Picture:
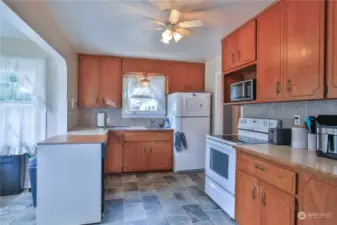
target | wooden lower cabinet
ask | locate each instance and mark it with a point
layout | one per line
(247, 200)
(136, 151)
(134, 157)
(259, 200)
(277, 207)
(318, 199)
(114, 153)
(160, 156)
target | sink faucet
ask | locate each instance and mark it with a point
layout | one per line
(151, 121)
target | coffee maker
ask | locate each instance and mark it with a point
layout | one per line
(326, 136)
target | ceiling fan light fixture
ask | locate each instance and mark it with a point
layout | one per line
(177, 37)
(167, 35)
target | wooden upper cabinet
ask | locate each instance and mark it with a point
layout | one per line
(239, 48)
(304, 50)
(114, 153)
(196, 77)
(277, 208)
(110, 82)
(178, 77)
(269, 54)
(136, 65)
(159, 155)
(332, 50)
(317, 196)
(88, 81)
(246, 44)
(186, 77)
(99, 81)
(134, 157)
(229, 46)
(247, 200)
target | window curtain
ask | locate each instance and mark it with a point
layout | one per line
(23, 117)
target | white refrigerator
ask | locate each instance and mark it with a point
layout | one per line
(189, 113)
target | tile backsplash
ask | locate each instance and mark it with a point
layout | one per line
(286, 110)
(87, 117)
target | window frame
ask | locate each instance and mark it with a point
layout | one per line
(126, 113)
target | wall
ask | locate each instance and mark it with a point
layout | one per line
(221, 116)
(87, 117)
(37, 16)
(285, 111)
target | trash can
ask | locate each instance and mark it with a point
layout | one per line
(12, 174)
(32, 166)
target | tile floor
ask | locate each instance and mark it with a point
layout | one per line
(138, 199)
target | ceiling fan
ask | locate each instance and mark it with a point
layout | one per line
(174, 28)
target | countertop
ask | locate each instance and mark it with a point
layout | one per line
(81, 135)
(75, 139)
(99, 131)
(301, 158)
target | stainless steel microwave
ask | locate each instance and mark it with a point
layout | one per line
(243, 91)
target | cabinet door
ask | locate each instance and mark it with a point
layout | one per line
(88, 81)
(110, 82)
(269, 53)
(131, 65)
(134, 157)
(304, 50)
(114, 153)
(246, 44)
(332, 49)
(159, 155)
(278, 208)
(247, 204)
(178, 77)
(229, 46)
(320, 197)
(196, 77)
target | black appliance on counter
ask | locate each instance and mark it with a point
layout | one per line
(279, 136)
(326, 127)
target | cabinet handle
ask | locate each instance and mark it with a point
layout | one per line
(289, 85)
(258, 167)
(145, 150)
(233, 57)
(278, 87)
(254, 192)
(264, 198)
(238, 55)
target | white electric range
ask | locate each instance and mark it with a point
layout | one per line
(221, 159)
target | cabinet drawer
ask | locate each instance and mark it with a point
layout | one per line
(279, 177)
(148, 136)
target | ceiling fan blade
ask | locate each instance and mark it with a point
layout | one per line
(191, 23)
(156, 21)
(154, 29)
(184, 32)
(174, 16)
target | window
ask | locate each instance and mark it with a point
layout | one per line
(22, 104)
(144, 96)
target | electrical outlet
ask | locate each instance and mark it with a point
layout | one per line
(297, 120)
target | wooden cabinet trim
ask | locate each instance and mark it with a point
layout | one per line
(331, 83)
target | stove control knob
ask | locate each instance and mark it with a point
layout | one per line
(265, 123)
(244, 121)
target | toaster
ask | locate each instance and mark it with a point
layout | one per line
(279, 136)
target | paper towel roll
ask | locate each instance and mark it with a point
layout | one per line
(299, 137)
(100, 119)
(312, 142)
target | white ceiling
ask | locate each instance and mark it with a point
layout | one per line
(115, 27)
(8, 30)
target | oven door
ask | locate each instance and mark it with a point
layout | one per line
(220, 164)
